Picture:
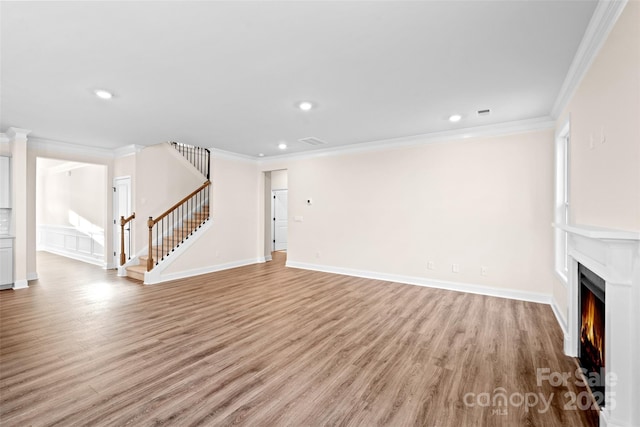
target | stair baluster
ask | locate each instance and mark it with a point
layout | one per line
(199, 157)
(166, 238)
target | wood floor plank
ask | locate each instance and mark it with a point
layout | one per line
(264, 345)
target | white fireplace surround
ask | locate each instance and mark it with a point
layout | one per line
(613, 255)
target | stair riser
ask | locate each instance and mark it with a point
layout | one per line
(135, 275)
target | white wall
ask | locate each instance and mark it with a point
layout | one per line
(125, 166)
(163, 178)
(67, 189)
(605, 177)
(232, 238)
(279, 180)
(474, 202)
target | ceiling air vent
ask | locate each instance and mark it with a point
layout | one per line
(482, 113)
(312, 141)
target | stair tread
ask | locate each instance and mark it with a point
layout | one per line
(179, 234)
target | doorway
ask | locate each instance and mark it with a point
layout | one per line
(276, 186)
(280, 222)
(71, 209)
(121, 208)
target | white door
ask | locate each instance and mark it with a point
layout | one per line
(121, 207)
(280, 220)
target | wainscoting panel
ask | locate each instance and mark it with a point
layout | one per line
(72, 243)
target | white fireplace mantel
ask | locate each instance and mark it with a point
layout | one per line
(613, 255)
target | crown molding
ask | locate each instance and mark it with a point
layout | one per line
(14, 133)
(127, 150)
(222, 154)
(604, 18)
(68, 148)
(500, 129)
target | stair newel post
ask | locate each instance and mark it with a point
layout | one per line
(122, 255)
(150, 259)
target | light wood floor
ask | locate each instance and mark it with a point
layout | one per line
(265, 345)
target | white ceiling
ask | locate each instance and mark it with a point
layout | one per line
(227, 75)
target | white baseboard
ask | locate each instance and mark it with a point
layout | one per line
(72, 243)
(268, 258)
(21, 284)
(430, 283)
(32, 276)
(152, 280)
(559, 316)
(78, 257)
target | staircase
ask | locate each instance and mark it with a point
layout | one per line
(173, 227)
(169, 243)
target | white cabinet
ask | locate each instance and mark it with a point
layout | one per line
(5, 182)
(6, 262)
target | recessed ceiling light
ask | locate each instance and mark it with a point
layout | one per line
(282, 146)
(455, 118)
(305, 105)
(261, 155)
(103, 94)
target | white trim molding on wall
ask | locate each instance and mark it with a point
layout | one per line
(486, 131)
(561, 200)
(429, 283)
(157, 275)
(602, 21)
(21, 284)
(61, 147)
(203, 270)
(562, 321)
(72, 243)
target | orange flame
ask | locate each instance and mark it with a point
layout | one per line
(592, 329)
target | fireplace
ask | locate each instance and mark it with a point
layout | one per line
(614, 257)
(592, 327)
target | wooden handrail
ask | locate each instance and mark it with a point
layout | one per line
(123, 222)
(152, 222)
(184, 199)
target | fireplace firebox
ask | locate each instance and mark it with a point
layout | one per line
(592, 327)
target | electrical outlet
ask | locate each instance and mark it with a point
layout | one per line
(483, 271)
(430, 265)
(455, 268)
